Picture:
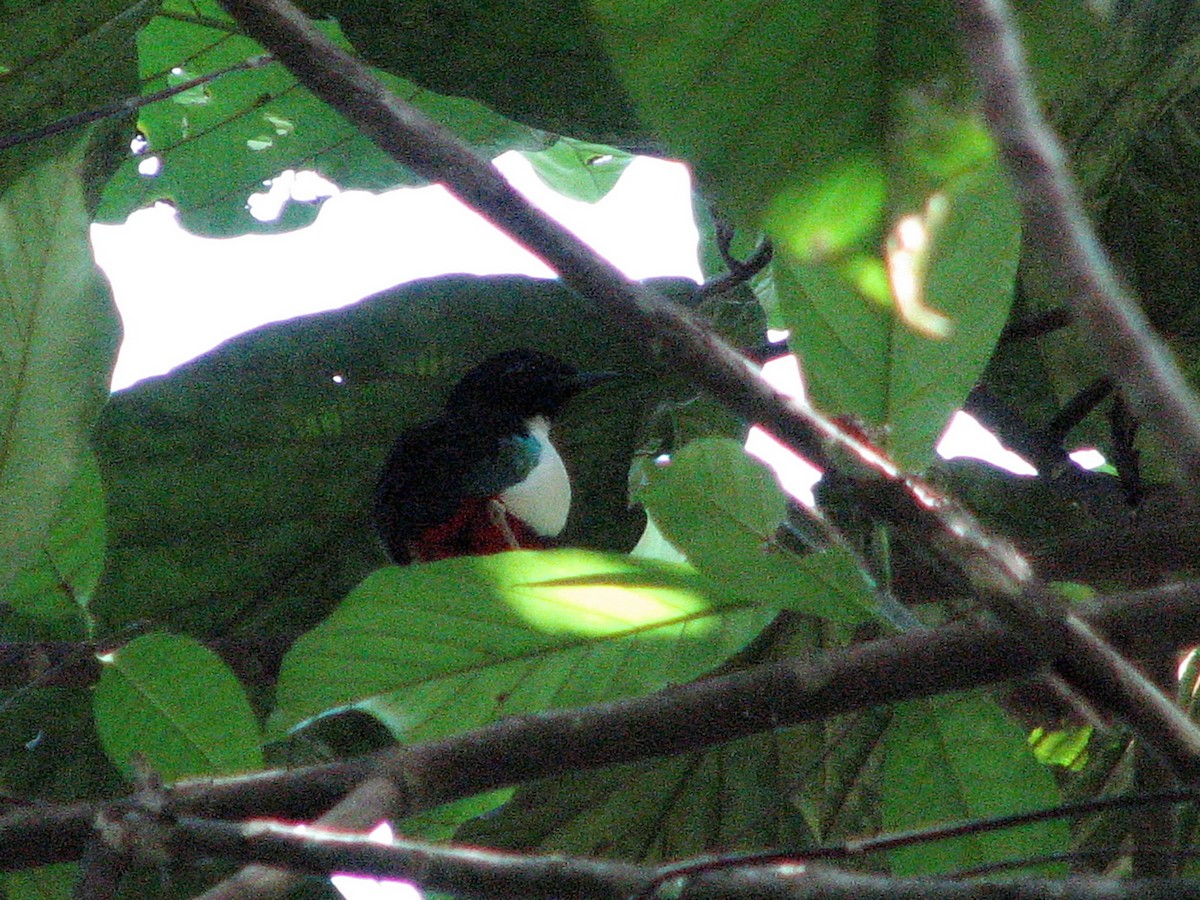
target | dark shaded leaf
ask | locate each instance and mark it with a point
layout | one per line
(728, 798)
(239, 486)
(534, 62)
(62, 58)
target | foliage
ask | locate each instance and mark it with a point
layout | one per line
(223, 508)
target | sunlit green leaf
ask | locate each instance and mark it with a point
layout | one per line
(581, 171)
(862, 359)
(773, 102)
(722, 508)
(445, 646)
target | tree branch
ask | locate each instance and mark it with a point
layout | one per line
(143, 832)
(1059, 235)
(399, 782)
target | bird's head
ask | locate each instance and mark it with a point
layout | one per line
(520, 384)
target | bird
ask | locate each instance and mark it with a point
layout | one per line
(483, 476)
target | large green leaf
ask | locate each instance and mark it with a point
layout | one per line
(959, 758)
(171, 702)
(239, 486)
(219, 142)
(745, 94)
(723, 509)
(538, 63)
(56, 353)
(864, 360)
(444, 647)
(732, 797)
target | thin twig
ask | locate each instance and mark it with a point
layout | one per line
(126, 105)
(738, 271)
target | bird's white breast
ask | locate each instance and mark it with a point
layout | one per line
(543, 500)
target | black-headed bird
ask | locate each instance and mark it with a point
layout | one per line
(482, 477)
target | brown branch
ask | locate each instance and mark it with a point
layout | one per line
(485, 874)
(819, 883)
(404, 781)
(1059, 235)
(462, 871)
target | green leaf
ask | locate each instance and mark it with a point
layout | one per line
(863, 360)
(954, 758)
(537, 63)
(722, 508)
(444, 647)
(56, 353)
(172, 702)
(441, 823)
(55, 882)
(239, 486)
(733, 797)
(581, 171)
(779, 103)
(218, 143)
(49, 598)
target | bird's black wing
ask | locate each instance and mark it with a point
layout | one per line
(432, 468)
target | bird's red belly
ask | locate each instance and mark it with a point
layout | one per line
(480, 527)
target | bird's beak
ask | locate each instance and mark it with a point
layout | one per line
(585, 381)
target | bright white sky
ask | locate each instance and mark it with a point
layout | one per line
(180, 295)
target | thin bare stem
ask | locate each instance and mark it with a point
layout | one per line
(126, 105)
